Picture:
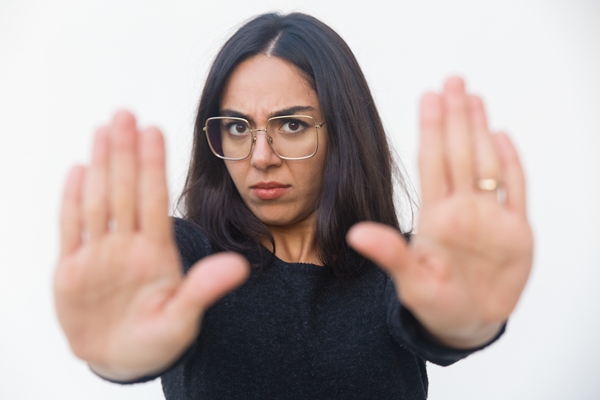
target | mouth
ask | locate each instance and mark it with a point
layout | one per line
(269, 190)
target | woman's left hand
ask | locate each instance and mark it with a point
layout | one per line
(464, 270)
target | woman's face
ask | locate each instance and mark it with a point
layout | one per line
(279, 192)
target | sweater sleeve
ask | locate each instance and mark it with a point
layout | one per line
(408, 332)
(193, 245)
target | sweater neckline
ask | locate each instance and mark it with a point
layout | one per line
(286, 262)
(299, 266)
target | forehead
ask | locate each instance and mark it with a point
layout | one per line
(264, 84)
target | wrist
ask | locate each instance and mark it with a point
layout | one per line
(466, 338)
(119, 374)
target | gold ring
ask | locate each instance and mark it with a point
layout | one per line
(488, 185)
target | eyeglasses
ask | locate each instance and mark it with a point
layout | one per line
(292, 137)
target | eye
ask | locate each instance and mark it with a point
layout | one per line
(237, 128)
(293, 126)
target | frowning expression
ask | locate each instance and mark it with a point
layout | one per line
(279, 192)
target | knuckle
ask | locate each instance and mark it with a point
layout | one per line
(94, 209)
(123, 202)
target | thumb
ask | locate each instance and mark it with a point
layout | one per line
(207, 281)
(381, 244)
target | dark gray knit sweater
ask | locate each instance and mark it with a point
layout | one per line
(295, 331)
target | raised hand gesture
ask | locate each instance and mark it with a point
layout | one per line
(464, 270)
(120, 295)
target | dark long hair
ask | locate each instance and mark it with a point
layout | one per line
(358, 181)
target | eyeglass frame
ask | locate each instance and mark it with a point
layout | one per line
(269, 138)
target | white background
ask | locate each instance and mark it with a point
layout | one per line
(65, 66)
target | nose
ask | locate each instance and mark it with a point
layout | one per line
(263, 156)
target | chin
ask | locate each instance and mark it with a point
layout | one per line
(282, 217)
(272, 220)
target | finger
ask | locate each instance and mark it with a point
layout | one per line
(431, 152)
(383, 245)
(153, 192)
(123, 159)
(513, 177)
(70, 214)
(486, 159)
(95, 206)
(459, 142)
(206, 282)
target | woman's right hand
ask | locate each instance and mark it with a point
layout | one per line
(120, 295)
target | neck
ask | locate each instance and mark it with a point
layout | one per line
(296, 242)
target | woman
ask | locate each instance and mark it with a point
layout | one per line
(289, 156)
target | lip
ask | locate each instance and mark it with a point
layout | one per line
(269, 190)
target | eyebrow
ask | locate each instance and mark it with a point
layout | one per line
(286, 111)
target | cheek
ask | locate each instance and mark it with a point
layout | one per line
(312, 179)
(237, 172)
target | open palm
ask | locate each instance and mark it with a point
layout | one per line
(466, 267)
(120, 295)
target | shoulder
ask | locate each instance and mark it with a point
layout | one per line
(192, 242)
